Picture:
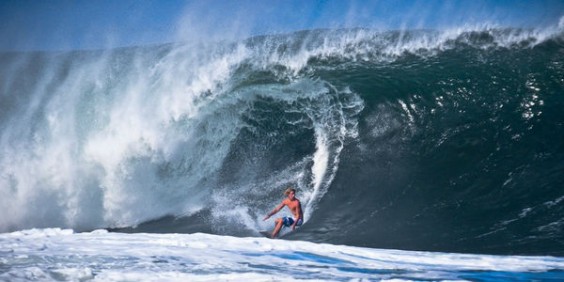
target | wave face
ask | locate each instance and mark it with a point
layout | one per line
(427, 140)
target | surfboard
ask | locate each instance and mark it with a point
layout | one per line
(265, 233)
(268, 234)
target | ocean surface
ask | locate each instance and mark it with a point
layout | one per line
(62, 255)
(420, 140)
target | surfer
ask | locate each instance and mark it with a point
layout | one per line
(295, 207)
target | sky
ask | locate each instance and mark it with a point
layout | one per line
(95, 24)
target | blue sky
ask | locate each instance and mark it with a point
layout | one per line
(92, 24)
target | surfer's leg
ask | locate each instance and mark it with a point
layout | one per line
(279, 223)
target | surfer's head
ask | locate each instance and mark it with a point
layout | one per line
(290, 191)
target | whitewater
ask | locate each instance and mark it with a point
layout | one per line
(417, 155)
(62, 255)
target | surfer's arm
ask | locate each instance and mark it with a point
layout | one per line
(298, 216)
(295, 222)
(274, 211)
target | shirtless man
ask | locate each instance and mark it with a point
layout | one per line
(295, 207)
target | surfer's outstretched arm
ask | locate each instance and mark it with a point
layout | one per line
(274, 211)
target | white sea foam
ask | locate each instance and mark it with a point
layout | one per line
(55, 254)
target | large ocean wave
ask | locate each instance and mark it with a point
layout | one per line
(436, 140)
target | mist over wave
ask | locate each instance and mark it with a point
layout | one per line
(441, 140)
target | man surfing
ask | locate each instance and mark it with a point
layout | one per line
(295, 207)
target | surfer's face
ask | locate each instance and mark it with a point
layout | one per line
(291, 195)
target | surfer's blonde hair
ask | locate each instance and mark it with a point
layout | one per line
(289, 190)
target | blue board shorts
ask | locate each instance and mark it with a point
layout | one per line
(288, 221)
